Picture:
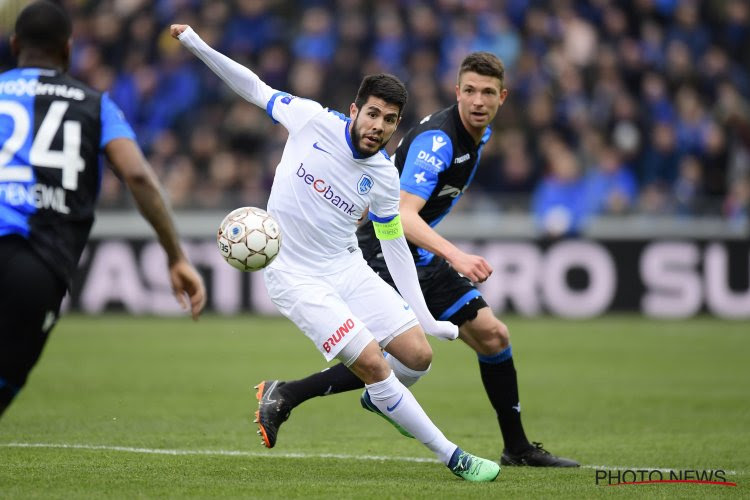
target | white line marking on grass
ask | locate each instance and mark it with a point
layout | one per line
(224, 453)
(271, 454)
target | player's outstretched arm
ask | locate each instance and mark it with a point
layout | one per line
(292, 113)
(239, 78)
(128, 162)
(419, 233)
(400, 264)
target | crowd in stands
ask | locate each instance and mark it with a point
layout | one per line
(615, 107)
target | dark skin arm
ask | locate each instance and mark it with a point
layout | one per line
(128, 162)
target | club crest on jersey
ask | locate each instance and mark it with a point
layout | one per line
(438, 142)
(365, 184)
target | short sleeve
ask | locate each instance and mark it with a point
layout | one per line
(114, 124)
(385, 202)
(292, 112)
(429, 154)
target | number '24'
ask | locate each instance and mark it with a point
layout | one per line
(40, 155)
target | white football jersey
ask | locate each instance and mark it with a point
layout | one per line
(322, 187)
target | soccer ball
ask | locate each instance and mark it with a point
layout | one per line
(249, 238)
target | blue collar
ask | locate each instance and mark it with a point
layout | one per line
(348, 136)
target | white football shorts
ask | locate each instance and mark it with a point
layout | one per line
(331, 310)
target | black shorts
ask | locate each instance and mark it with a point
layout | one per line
(449, 296)
(30, 298)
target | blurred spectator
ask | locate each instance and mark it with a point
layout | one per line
(251, 27)
(655, 200)
(661, 159)
(663, 85)
(687, 29)
(688, 188)
(559, 203)
(737, 205)
(506, 171)
(693, 122)
(315, 40)
(610, 186)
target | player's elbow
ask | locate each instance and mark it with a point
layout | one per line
(139, 178)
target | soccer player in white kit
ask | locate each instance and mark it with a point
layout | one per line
(333, 170)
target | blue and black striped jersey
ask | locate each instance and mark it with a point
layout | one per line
(52, 131)
(437, 160)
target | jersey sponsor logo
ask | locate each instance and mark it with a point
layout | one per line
(339, 334)
(451, 191)
(419, 178)
(429, 161)
(438, 142)
(462, 159)
(22, 86)
(326, 191)
(40, 196)
(365, 184)
(287, 99)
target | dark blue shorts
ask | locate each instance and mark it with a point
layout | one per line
(30, 298)
(449, 296)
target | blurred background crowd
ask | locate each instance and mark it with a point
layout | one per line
(615, 107)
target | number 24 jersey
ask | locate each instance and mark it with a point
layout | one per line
(52, 131)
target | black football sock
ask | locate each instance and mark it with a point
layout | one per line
(501, 384)
(7, 394)
(333, 380)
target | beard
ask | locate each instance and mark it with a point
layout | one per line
(357, 139)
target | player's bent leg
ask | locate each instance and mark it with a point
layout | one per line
(274, 403)
(366, 363)
(413, 346)
(406, 375)
(395, 401)
(490, 338)
(409, 355)
(30, 297)
(285, 396)
(486, 334)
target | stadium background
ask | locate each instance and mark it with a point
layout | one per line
(618, 176)
(136, 406)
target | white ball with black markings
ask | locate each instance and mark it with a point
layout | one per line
(249, 238)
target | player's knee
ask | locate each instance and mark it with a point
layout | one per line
(421, 358)
(372, 370)
(494, 338)
(368, 364)
(412, 350)
(503, 333)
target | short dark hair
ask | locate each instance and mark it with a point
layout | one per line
(485, 64)
(43, 25)
(383, 86)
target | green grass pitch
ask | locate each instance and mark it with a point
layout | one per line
(123, 407)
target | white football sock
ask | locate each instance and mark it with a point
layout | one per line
(398, 403)
(406, 375)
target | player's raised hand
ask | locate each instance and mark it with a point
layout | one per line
(474, 267)
(176, 30)
(187, 283)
